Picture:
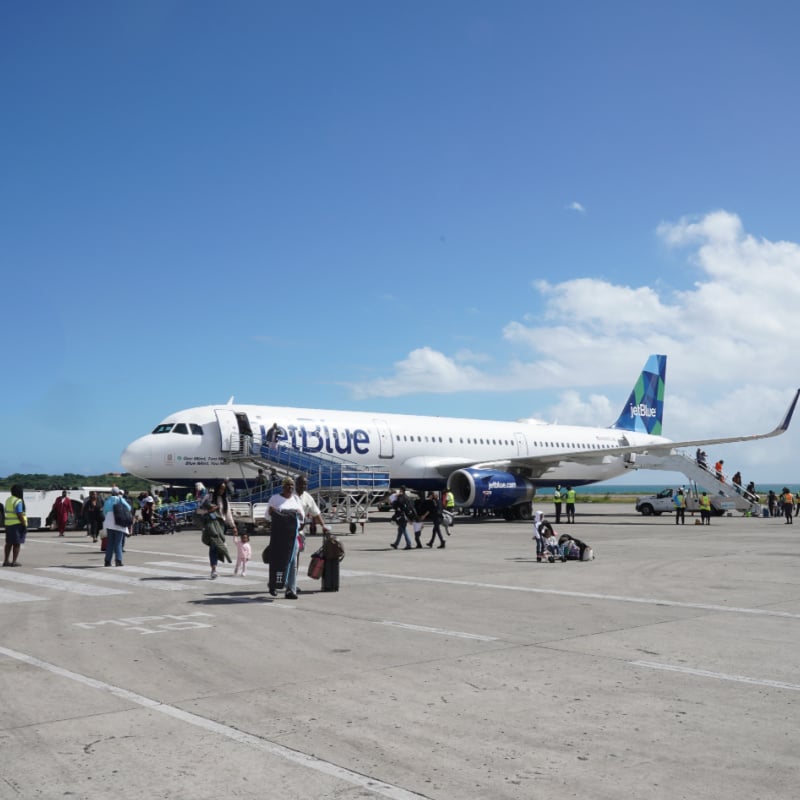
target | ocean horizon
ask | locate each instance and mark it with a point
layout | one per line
(653, 488)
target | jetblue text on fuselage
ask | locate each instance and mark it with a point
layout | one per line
(643, 410)
(321, 439)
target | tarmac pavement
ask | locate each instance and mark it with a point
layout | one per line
(669, 667)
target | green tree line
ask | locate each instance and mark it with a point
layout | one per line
(69, 480)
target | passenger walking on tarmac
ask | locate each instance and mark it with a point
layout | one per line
(797, 502)
(93, 515)
(243, 553)
(570, 504)
(788, 505)
(557, 500)
(286, 516)
(403, 511)
(538, 534)
(219, 511)
(62, 508)
(679, 501)
(114, 531)
(705, 509)
(433, 512)
(16, 522)
(421, 514)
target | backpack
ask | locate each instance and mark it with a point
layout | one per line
(122, 515)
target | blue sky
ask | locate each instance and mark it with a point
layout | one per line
(467, 208)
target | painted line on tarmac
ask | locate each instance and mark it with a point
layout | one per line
(10, 596)
(720, 676)
(440, 631)
(63, 586)
(651, 601)
(287, 754)
(103, 574)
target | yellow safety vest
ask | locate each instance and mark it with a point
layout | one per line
(556, 496)
(705, 503)
(571, 496)
(449, 500)
(12, 518)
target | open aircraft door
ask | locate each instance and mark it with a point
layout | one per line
(386, 443)
(228, 430)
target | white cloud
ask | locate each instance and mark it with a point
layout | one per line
(730, 335)
(425, 370)
(576, 206)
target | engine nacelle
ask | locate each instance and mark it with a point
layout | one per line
(488, 488)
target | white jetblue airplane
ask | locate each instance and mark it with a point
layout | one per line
(486, 463)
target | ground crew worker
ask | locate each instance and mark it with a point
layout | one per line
(16, 522)
(570, 504)
(679, 501)
(557, 499)
(705, 509)
(788, 505)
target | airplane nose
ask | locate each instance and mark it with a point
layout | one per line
(137, 456)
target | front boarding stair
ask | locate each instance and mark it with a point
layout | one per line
(342, 489)
(724, 496)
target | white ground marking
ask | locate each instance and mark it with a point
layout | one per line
(103, 574)
(720, 676)
(440, 631)
(10, 596)
(63, 586)
(265, 746)
(652, 601)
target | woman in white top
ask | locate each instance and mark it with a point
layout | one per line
(286, 517)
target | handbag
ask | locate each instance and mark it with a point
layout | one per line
(316, 565)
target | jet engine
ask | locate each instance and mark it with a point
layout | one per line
(488, 488)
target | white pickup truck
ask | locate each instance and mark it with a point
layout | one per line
(655, 504)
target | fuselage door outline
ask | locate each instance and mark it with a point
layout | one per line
(228, 430)
(385, 441)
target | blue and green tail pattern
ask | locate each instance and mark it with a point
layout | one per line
(644, 409)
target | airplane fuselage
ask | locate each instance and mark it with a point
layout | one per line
(418, 451)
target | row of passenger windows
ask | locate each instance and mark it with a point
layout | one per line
(181, 427)
(507, 442)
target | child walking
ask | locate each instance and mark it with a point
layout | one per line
(242, 553)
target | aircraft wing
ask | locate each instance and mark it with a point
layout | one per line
(537, 466)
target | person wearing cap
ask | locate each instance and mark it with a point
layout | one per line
(115, 534)
(679, 501)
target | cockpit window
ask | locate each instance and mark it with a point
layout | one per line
(197, 430)
(180, 428)
(165, 427)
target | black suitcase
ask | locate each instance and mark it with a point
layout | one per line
(330, 575)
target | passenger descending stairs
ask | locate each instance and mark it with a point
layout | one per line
(341, 488)
(723, 495)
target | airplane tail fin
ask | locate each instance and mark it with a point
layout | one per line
(644, 409)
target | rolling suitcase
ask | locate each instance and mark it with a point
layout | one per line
(330, 575)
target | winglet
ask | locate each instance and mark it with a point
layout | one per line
(784, 426)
